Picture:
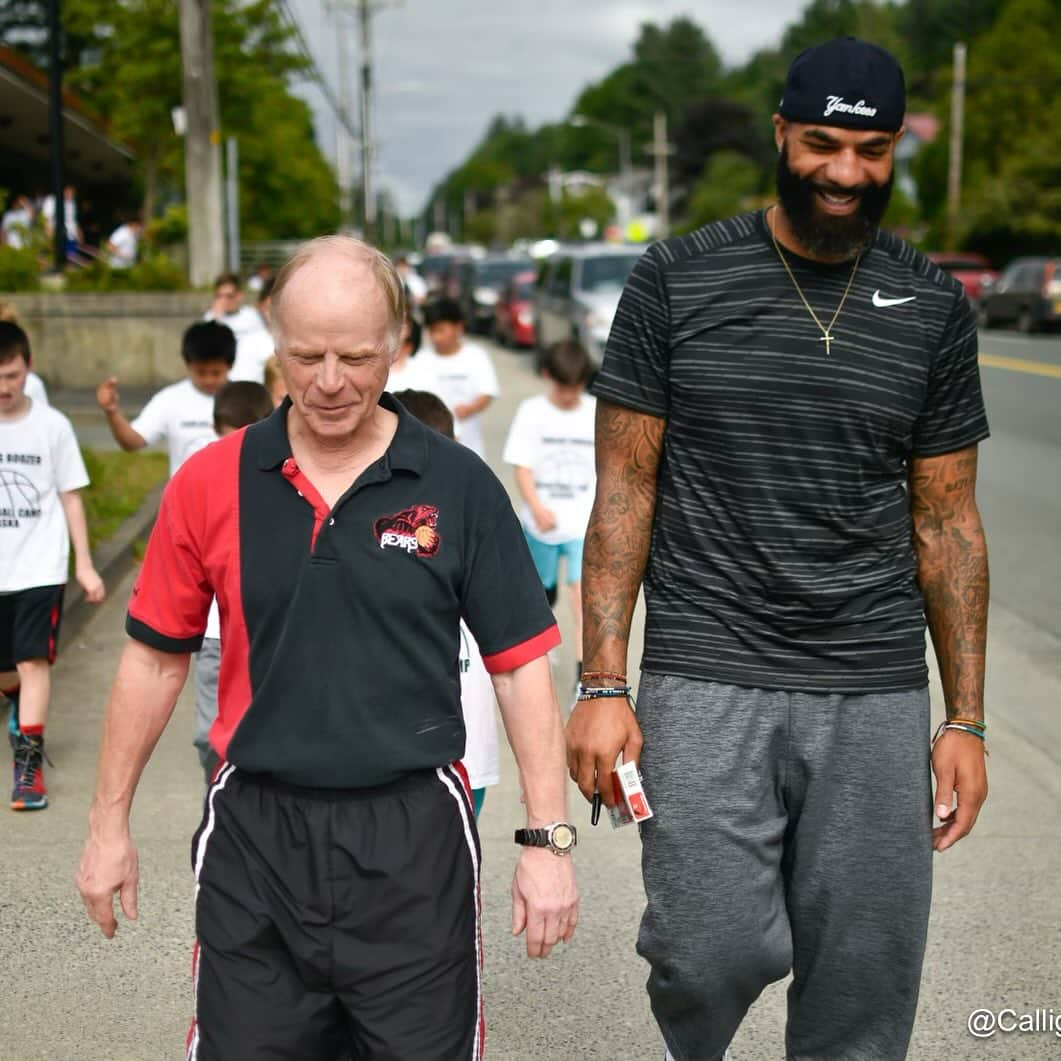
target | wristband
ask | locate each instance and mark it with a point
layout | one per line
(594, 692)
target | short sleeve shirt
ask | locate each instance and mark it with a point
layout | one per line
(458, 379)
(781, 552)
(340, 628)
(39, 460)
(556, 445)
(183, 416)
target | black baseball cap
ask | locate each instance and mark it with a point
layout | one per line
(845, 82)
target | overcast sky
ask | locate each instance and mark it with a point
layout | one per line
(443, 68)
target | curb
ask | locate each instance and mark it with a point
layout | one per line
(113, 559)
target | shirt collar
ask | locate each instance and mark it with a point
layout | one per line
(407, 451)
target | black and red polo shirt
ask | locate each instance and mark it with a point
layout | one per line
(340, 628)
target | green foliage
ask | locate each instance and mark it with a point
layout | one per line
(154, 272)
(729, 185)
(132, 75)
(119, 483)
(19, 270)
(169, 229)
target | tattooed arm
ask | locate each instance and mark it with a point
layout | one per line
(616, 551)
(952, 572)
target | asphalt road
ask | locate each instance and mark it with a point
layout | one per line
(993, 943)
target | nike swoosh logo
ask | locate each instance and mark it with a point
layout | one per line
(881, 302)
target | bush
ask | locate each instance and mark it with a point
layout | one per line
(18, 270)
(155, 272)
(169, 229)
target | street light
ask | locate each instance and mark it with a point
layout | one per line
(581, 121)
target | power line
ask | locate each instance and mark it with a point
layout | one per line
(341, 113)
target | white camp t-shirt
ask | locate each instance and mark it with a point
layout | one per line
(409, 377)
(458, 379)
(480, 721)
(125, 242)
(183, 416)
(39, 460)
(557, 446)
(253, 349)
(35, 389)
(254, 343)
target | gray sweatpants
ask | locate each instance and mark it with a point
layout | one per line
(792, 832)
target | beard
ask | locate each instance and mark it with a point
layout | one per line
(824, 235)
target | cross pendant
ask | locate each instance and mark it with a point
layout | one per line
(827, 339)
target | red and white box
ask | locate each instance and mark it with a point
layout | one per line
(631, 803)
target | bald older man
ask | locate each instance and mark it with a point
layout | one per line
(337, 864)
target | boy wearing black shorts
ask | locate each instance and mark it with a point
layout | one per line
(41, 514)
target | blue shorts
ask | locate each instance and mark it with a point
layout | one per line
(547, 559)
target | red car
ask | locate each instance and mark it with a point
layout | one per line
(972, 271)
(513, 316)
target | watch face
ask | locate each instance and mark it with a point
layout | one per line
(563, 838)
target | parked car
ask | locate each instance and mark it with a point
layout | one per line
(972, 271)
(480, 281)
(577, 293)
(1028, 293)
(441, 274)
(514, 312)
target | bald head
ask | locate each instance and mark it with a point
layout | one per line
(337, 276)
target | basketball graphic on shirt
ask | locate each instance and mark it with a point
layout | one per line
(414, 529)
(17, 491)
(565, 470)
(426, 538)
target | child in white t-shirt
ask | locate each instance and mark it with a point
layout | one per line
(41, 514)
(477, 690)
(182, 413)
(551, 444)
(460, 373)
(405, 371)
(237, 404)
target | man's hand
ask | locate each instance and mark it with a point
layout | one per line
(88, 579)
(597, 731)
(958, 763)
(107, 395)
(544, 900)
(108, 866)
(544, 518)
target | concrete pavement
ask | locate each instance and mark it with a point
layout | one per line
(69, 994)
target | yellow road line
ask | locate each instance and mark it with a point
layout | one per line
(1017, 364)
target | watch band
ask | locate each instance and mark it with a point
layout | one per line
(532, 837)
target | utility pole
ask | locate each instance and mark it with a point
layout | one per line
(202, 145)
(367, 190)
(957, 123)
(232, 201)
(660, 150)
(344, 170)
(55, 131)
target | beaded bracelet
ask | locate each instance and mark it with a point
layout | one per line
(604, 675)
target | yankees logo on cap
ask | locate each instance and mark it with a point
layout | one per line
(845, 82)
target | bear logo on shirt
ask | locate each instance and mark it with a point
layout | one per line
(414, 529)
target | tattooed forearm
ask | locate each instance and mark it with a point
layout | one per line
(952, 572)
(619, 532)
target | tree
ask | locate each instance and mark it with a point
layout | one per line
(131, 74)
(728, 185)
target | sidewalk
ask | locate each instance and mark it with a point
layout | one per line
(69, 994)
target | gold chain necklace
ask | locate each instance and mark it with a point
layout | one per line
(827, 333)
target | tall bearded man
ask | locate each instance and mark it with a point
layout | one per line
(788, 416)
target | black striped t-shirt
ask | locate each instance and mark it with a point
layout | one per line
(781, 550)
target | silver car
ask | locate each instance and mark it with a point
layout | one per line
(577, 293)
